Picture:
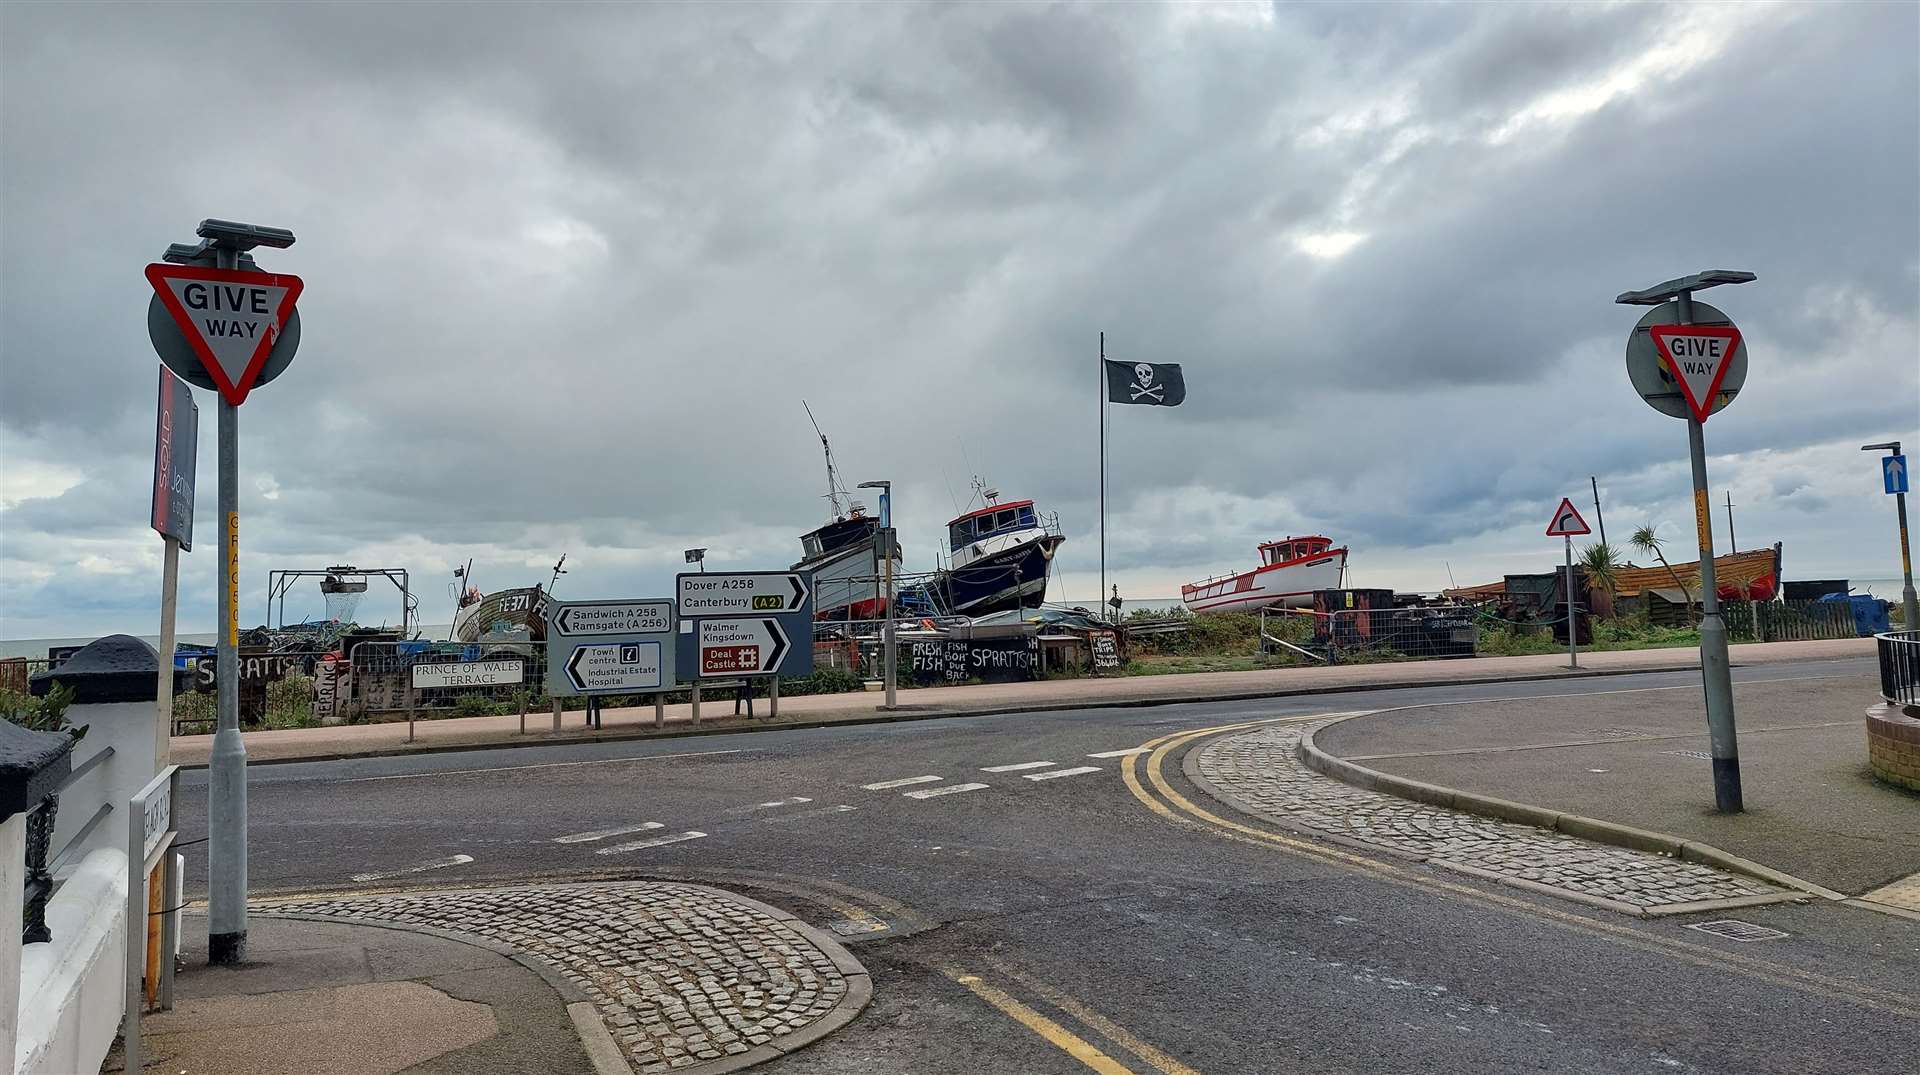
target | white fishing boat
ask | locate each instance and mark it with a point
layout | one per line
(1288, 574)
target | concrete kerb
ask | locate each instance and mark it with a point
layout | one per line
(1578, 825)
(601, 1049)
(903, 714)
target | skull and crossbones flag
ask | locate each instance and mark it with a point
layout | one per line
(1148, 383)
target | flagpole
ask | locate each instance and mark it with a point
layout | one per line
(1101, 603)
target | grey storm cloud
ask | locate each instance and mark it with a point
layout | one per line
(571, 269)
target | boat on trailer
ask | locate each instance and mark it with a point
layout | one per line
(844, 556)
(1001, 555)
(1289, 572)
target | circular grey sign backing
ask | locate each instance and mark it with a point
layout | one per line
(1649, 374)
(177, 355)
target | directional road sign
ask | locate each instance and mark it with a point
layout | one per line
(1567, 521)
(231, 318)
(1893, 471)
(613, 618)
(616, 668)
(1683, 370)
(611, 647)
(741, 647)
(744, 593)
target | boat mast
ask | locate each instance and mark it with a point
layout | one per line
(836, 491)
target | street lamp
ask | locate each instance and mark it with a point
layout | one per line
(888, 651)
(1907, 603)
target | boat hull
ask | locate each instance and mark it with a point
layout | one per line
(847, 582)
(1276, 586)
(507, 615)
(1013, 578)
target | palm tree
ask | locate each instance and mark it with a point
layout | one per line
(1646, 540)
(1601, 563)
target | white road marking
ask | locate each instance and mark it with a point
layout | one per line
(436, 864)
(885, 785)
(540, 765)
(1063, 772)
(823, 811)
(1127, 753)
(771, 805)
(601, 834)
(947, 789)
(657, 841)
(1016, 768)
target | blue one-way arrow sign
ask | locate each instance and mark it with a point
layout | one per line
(1893, 469)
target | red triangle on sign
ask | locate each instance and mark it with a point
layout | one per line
(1697, 356)
(1567, 521)
(230, 318)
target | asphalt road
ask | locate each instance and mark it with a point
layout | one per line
(1079, 923)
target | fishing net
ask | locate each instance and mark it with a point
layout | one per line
(343, 596)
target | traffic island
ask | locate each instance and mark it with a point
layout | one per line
(1893, 745)
(1633, 768)
(666, 977)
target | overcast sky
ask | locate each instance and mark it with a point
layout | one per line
(571, 270)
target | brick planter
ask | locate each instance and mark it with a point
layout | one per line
(1893, 745)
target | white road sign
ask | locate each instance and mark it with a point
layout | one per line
(614, 618)
(616, 666)
(1698, 357)
(741, 647)
(742, 594)
(469, 674)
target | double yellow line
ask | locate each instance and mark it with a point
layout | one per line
(1059, 1036)
(1145, 777)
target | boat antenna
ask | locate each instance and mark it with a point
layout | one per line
(1451, 585)
(559, 569)
(836, 490)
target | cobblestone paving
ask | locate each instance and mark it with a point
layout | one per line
(1262, 770)
(682, 975)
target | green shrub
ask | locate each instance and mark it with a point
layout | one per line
(822, 680)
(474, 705)
(47, 713)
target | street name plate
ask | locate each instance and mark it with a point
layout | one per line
(469, 674)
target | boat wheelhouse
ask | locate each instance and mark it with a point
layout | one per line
(844, 557)
(1001, 556)
(1289, 572)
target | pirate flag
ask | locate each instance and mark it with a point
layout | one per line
(1152, 384)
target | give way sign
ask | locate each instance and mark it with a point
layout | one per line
(230, 318)
(1698, 357)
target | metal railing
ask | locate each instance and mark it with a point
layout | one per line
(1899, 667)
(1414, 632)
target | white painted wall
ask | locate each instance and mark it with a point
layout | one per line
(73, 988)
(128, 728)
(13, 879)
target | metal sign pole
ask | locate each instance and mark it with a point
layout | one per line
(1907, 602)
(1573, 622)
(227, 765)
(169, 604)
(1716, 669)
(889, 643)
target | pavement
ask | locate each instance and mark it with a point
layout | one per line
(1051, 892)
(594, 979)
(464, 733)
(1639, 758)
(318, 996)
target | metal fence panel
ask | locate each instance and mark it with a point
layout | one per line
(1899, 653)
